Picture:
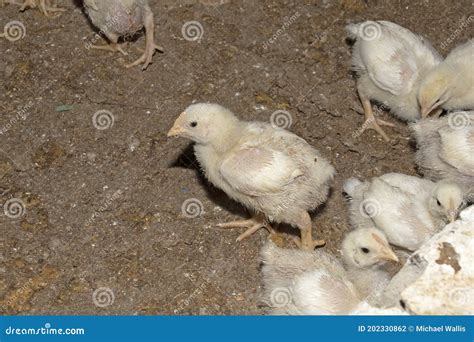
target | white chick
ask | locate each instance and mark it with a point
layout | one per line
(408, 209)
(450, 85)
(45, 6)
(446, 148)
(271, 171)
(119, 18)
(389, 61)
(317, 283)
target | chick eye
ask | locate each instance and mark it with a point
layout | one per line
(193, 124)
(438, 203)
(365, 250)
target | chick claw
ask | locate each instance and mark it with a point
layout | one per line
(373, 123)
(252, 226)
(146, 57)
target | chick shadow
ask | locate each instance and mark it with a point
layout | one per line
(187, 160)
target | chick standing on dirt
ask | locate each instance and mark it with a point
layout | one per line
(450, 85)
(317, 283)
(45, 6)
(118, 18)
(390, 61)
(271, 171)
(446, 148)
(408, 209)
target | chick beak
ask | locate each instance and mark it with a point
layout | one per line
(452, 215)
(389, 255)
(178, 126)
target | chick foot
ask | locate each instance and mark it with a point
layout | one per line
(252, 225)
(113, 47)
(306, 242)
(46, 8)
(150, 47)
(371, 122)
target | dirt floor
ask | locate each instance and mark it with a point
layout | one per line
(100, 227)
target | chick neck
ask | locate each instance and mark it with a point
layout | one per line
(227, 137)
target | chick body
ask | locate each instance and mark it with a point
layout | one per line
(408, 209)
(267, 169)
(122, 18)
(318, 283)
(446, 148)
(389, 62)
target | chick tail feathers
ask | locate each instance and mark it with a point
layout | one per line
(350, 186)
(353, 30)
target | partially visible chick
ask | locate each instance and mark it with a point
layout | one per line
(119, 18)
(317, 283)
(389, 61)
(273, 172)
(446, 148)
(408, 209)
(449, 85)
(46, 6)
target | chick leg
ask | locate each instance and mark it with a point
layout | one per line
(46, 7)
(150, 46)
(370, 121)
(113, 47)
(305, 226)
(254, 224)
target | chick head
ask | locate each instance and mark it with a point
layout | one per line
(447, 201)
(434, 90)
(366, 247)
(204, 123)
